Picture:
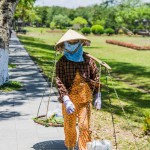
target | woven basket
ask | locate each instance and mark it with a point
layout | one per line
(40, 119)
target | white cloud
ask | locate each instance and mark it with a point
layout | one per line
(70, 3)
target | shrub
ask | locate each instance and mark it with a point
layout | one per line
(86, 30)
(52, 25)
(109, 31)
(97, 29)
(146, 126)
(120, 31)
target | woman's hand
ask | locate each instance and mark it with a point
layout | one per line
(70, 108)
(97, 101)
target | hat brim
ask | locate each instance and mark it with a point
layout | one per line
(69, 36)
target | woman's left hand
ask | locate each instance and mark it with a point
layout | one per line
(97, 101)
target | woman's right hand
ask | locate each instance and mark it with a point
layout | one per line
(70, 108)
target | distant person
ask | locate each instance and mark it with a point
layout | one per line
(77, 80)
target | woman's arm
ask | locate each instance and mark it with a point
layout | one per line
(60, 80)
(94, 76)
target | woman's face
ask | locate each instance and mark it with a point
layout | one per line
(73, 41)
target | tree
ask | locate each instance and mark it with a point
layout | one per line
(99, 22)
(7, 8)
(25, 11)
(79, 22)
(126, 17)
(47, 13)
(84, 12)
(42, 13)
(99, 13)
(110, 21)
(61, 21)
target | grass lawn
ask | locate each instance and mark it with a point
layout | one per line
(11, 65)
(131, 75)
(10, 86)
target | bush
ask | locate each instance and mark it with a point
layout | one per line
(109, 31)
(86, 30)
(52, 25)
(146, 126)
(97, 29)
(121, 31)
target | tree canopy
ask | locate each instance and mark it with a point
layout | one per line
(109, 14)
(25, 11)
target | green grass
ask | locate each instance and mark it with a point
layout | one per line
(11, 65)
(129, 65)
(10, 86)
(130, 71)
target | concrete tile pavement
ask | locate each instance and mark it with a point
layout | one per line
(17, 108)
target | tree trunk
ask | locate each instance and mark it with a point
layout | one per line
(7, 8)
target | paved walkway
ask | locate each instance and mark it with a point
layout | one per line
(17, 108)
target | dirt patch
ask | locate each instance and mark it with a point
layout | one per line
(102, 128)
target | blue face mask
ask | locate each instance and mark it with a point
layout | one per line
(74, 52)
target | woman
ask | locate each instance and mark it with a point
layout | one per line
(77, 81)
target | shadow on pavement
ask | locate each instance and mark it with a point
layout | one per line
(50, 145)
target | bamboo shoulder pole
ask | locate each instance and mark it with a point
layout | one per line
(99, 61)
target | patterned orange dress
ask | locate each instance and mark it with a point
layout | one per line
(81, 96)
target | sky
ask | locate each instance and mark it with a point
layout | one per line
(70, 3)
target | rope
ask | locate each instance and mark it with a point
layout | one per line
(112, 116)
(41, 101)
(99, 89)
(46, 86)
(100, 70)
(114, 132)
(52, 80)
(126, 116)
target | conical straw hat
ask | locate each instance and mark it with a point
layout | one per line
(71, 35)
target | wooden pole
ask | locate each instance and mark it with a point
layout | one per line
(99, 61)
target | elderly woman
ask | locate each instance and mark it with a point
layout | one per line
(77, 82)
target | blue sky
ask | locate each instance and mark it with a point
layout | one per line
(70, 3)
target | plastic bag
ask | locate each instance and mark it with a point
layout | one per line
(99, 145)
(57, 112)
